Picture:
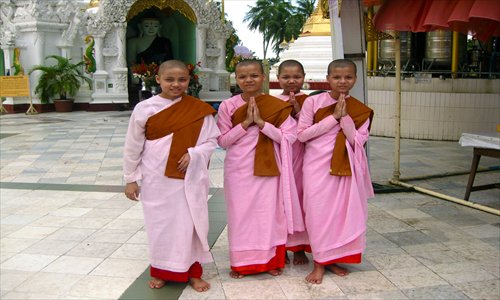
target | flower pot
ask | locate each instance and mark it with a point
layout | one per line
(63, 105)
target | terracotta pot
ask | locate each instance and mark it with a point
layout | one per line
(63, 105)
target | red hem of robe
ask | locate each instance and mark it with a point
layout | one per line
(195, 271)
(350, 259)
(305, 248)
(277, 262)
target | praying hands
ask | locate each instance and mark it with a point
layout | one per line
(253, 115)
(341, 108)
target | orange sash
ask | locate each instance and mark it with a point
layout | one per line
(274, 111)
(184, 119)
(359, 113)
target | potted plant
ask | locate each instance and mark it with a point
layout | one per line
(62, 79)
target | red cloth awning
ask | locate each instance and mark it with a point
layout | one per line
(479, 18)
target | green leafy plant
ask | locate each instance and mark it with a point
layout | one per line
(62, 79)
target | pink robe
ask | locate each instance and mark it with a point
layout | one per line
(335, 206)
(300, 238)
(259, 208)
(175, 210)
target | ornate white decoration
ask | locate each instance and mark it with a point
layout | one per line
(112, 51)
(120, 82)
(7, 34)
(76, 12)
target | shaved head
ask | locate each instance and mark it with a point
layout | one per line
(341, 63)
(171, 64)
(290, 63)
(249, 62)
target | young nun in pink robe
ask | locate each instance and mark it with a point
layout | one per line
(335, 128)
(291, 78)
(168, 145)
(257, 131)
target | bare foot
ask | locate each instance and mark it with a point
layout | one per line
(199, 284)
(337, 270)
(235, 275)
(287, 260)
(316, 276)
(156, 283)
(300, 258)
(276, 272)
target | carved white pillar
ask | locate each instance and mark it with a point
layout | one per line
(100, 76)
(121, 32)
(99, 58)
(201, 45)
(221, 60)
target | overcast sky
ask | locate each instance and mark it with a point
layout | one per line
(236, 11)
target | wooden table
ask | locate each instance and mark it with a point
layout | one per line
(485, 144)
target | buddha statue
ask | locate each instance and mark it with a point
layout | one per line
(149, 46)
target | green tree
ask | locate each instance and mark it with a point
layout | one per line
(278, 20)
(301, 12)
(269, 18)
(305, 8)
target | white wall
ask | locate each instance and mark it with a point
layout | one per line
(438, 110)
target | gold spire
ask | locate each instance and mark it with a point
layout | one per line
(94, 3)
(316, 25)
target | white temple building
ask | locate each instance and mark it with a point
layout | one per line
(313, 49)
(39, 28)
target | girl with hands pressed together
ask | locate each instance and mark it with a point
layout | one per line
(257, 132)
(335, 127)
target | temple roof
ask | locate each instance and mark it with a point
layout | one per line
(317, 25)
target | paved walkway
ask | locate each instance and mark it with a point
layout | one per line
(67, 232)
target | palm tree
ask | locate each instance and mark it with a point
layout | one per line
(278, 20)
(305, 8)
(270, 18)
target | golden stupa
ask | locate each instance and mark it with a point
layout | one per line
(317, 24)
(94, 3)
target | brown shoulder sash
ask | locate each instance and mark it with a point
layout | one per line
(359, 113)
(274, 111)
(185, 120)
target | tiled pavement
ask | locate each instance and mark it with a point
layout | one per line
(67, 232)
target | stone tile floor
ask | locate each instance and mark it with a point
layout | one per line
(67, 232)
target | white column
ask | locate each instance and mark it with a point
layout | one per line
(39, 45)
(99, 58)
(121, 43)
(221, 60)
(201, 46)
(336, 30)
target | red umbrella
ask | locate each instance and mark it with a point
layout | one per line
(479, 18)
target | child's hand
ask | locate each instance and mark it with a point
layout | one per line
(341, 108)
(343, 112)
(249, 119)
(296, 106)
(132, 191)
(183, 163)
(256, 115)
